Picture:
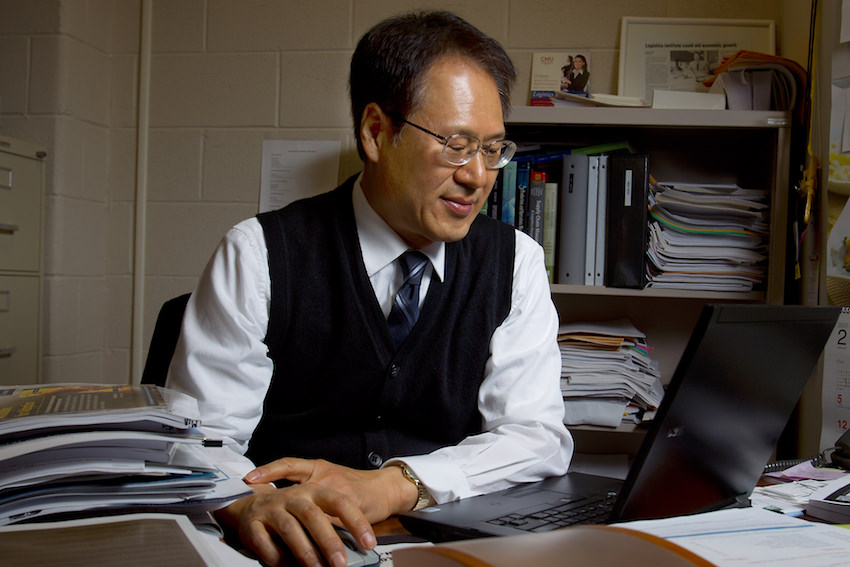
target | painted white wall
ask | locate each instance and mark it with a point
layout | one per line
(225, 75)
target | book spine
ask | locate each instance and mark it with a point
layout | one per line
(508, 176)
(536, 199)
(522, 180)
(550, 228)
(494, 206)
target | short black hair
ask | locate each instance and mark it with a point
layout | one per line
(391, 59)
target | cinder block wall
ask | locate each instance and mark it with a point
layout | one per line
(225, 75)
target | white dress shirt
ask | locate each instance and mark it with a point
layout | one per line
(222, 361)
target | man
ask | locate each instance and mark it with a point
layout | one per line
(290, 341)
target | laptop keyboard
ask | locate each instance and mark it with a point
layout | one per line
(586, 511)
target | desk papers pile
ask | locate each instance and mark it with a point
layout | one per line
(607, 376)
(706, 237)
(72, 448)
(832, 502)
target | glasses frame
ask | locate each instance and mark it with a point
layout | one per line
(503, 161)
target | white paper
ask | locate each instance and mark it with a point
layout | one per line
(751, 536)
(295, 169)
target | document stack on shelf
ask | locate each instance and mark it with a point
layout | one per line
(87, 448)
(707, 237)
(607, 375)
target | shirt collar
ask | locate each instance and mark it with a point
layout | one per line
(380, 245)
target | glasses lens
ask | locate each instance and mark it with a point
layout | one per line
(459, 149)
(498, 154)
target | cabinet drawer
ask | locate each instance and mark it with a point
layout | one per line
(20, 213)
(19, 322)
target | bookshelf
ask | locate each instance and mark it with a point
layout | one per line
(750, 148)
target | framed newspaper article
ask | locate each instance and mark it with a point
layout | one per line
(677, 54)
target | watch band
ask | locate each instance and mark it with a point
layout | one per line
(423, 498)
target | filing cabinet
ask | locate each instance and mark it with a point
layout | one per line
(22, 172)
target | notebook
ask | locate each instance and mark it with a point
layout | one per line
(733, 391)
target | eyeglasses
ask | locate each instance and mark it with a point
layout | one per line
(459, 149)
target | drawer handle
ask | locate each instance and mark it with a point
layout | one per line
(9, 227)
(7, 352)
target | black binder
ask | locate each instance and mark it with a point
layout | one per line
(625, 250)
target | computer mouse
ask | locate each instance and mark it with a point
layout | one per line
(357, 556)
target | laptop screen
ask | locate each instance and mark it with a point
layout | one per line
(735, 386)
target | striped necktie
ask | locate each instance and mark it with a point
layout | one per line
(405, 309)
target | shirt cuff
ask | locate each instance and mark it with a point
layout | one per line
(442, 477)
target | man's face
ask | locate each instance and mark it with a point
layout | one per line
(415, 190)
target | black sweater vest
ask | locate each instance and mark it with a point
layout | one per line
(339, 390)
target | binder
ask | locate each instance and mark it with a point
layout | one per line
(573, 224)
(627, 229)
(601, 224)
(590, 233)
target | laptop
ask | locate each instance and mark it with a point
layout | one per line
(733, 391)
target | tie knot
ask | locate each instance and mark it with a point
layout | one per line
(413, 266)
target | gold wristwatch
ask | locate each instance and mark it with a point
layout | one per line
(424, 498)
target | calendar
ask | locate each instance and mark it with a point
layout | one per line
(836, 382)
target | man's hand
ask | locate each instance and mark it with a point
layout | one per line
(324, 494)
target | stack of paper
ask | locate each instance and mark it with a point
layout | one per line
(707, 237)
(607, 376)
(80, 447)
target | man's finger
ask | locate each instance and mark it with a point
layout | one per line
(287, 468)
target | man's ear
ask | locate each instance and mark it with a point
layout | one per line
(375, 129)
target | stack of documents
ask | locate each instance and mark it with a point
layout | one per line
(607, 376)
(72, 448)
(707, 237)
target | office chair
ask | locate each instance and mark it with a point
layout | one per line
(166, 331)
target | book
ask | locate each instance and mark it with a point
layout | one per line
(573, 220)
(522, 179)
(508, 185)
(550, 228)
(494, 205)
(601, 222)
(536, 200)
(590, 234)
(627, 229)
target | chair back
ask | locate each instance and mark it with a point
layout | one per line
(164, 340)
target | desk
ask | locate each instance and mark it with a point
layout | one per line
(740, 537)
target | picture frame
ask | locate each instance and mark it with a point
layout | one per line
(677, 54)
